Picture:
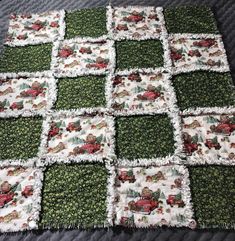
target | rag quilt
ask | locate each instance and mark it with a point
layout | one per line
(116, 116)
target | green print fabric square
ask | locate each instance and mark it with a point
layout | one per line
(204, 89)
(74, 195)
(86, 23)
(213, 195)
(20, 137)
(139, 54)
(31, 58)
(81, 92)
(144, 137)
(190, 19)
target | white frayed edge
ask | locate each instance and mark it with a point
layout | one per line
(54, 53)
(18, 162)
(143, 162)
(42, 40)
(208, 110)
(110, 193)
(62, 24)
(24, 113)
(194, 161)
(49, 159)
(176, 122)
(43, 139)
(194, 35)
(47, 73)
(52, 93)
(112, 56)
(164, 40)
(109, 18)
(177, 70)
(186, 196)
(37, 197)
(139, 112)
(108, 91)
(218, 37)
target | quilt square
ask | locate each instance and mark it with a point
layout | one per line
(191, 52)
(85, 136)
(74, 196)
(35, 28)
(31, 58)
(203, 89)
(190, 19)
(20, 189)
(81, 92)
(86, 23)
(135, 22)
(144, 137)
(140, 92)
(213, 196)
(139, 54)
(153, 196)
(20, 94)
(209, 138)
(77, 57)
(20, 137)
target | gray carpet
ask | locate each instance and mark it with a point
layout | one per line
(225, 14)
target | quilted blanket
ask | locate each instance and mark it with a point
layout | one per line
(116, 116)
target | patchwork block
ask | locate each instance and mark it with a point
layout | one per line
(203, 89)
(27, 29)
(139, 92)
(31, 58)
(83, 58)
(18, 94)
(133, 22)
(81, 136)
(209, 138)
(20, 137)
(81, 92)
(86, 23)
(190, 19)
(74, 195)
(213, 195)
(19, 198)
(153, 196)
(139, 54)
(144, 137)
(193, 52)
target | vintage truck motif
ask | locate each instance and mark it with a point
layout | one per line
(144, 206)
(126, 176)
(173, 200)
(5, 198)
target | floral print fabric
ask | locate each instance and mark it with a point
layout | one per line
(24, 94)
(18, 198)
(209, 137)
(197, 52)
(152, 196)
(136, 22)
(141, 92)
(34, 28)
(82, 58)
(81, 135)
